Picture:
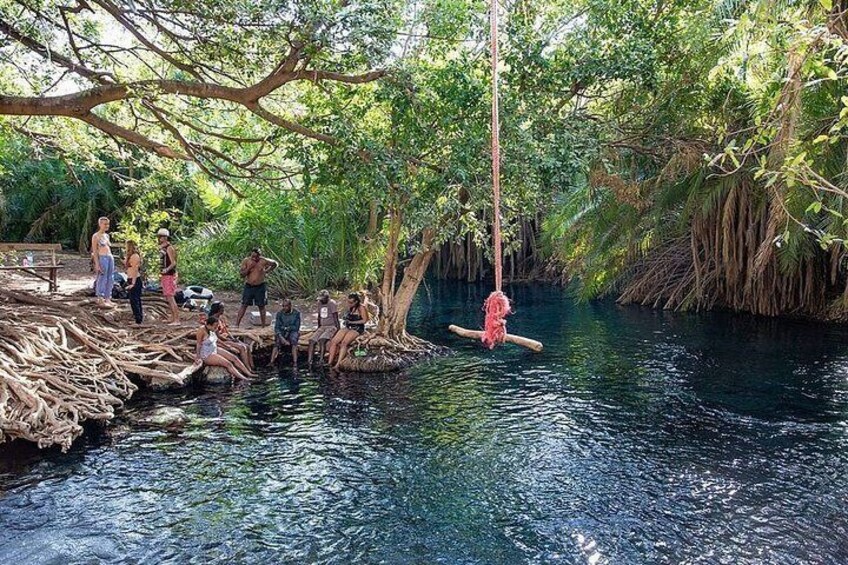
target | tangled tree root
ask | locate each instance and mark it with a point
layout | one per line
(728, 260)
(63, 362)
(385, 355)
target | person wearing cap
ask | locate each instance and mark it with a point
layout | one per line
(328, 325)
(168, 273)
(253, 270)
(286, 331)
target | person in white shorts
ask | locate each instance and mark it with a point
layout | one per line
(328, 324)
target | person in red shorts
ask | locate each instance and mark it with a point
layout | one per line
(168, 273)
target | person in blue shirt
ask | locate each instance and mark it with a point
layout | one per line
(286, 331)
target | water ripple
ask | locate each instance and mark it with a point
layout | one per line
(636, 437)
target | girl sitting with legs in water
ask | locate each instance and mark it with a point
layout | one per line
(354, 320)
(226, 340)
(208, 352)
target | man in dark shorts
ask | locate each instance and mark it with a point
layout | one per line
(286, 331)
(253, 270)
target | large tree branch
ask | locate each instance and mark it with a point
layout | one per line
(294, 127)
(133, 137)
(84, 101)
(81, 105)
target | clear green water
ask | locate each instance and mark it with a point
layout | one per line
(637, 437)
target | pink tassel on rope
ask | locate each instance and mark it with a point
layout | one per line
(497, 309)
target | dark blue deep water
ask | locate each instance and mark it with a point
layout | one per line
(637, 437)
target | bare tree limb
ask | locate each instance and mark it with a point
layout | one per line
(128, 24)
(52, 55)
(133, 137)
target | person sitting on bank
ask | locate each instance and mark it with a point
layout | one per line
(132, 263)
(225, 339)
(286, 331)
(355, 320)
(210, 354)
(328, 325)
(253, 270)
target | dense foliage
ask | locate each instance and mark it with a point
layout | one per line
(719, 181)
(681, 153)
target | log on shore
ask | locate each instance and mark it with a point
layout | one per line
(530, 344)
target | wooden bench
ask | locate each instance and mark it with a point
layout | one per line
(51, 268)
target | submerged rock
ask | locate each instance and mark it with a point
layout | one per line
(216, 376)
(166, 417)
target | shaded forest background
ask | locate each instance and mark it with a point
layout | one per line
(679, 154)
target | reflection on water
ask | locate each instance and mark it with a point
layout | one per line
(636, 437)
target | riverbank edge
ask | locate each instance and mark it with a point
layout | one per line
(84, 364)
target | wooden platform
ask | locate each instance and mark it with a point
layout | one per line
(51, 267)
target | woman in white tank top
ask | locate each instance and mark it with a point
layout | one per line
(208, 352)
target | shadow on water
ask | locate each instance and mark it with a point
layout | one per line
(637, 436)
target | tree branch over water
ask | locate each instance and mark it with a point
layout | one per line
(191, 57)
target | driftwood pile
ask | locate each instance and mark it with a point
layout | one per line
(63, 362)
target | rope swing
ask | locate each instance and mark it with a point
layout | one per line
(497, 306)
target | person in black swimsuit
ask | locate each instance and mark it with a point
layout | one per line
(355, 320)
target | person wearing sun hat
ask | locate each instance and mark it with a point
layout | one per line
(168, 273)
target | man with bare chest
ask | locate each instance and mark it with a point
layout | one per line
(253, 270)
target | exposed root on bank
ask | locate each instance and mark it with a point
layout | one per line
(385, 355)
(720, 263)
(64, 361)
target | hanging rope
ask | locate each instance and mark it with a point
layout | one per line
(497, 304)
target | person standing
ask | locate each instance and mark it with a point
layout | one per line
(253, 270)
(104, 263)
(328, 325)
(286, 331)
(168, 273)
(132, 263)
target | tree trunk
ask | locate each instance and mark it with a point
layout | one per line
(396, 305)
(387, 287)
